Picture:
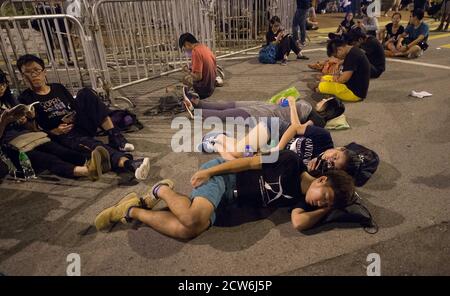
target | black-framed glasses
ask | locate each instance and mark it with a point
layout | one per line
(33, 71)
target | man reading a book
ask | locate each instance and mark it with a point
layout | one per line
(74, 122)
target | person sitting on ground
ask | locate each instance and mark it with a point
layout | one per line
(368, 23)
(47, 156)
(202, 75)
(73, 123)
(344, 27)
(390, 35)
(414, 39)
(283, 41)
(353, 83)
(311, 25)
(445, 17)
(323, 111)
(249, 181)
(371, 47)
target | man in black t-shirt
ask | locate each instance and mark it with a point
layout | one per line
(371, 47)
(353, 83)
(73, 123)
(251, 181)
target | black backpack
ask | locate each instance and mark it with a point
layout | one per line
(356, 213)
(125, 120)
(363, 163)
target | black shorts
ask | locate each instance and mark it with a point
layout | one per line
(423, 45)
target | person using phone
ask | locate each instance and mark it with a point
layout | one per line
(283, 41)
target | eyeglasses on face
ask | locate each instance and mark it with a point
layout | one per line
(31, 72)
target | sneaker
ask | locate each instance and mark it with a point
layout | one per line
(118, 141)
(284, 62)
(208, 141)
(118, 212)
(141, 168)
(94, 165)
(302, 57)
(190, 95)
(220, 72)
(219, 81)
(187, 103)
(105, 159)
(153, 202)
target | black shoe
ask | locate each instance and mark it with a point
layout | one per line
(118, 141)
(302, 57)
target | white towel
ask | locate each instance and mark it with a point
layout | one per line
(420, 95)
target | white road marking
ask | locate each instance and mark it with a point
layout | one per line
(418, 64)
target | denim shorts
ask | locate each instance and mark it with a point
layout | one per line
(218, 189)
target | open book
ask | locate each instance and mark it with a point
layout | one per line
(21, 109)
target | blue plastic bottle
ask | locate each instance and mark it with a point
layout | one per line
(284, 103)
(248, 151)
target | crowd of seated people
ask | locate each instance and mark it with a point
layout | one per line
(310, 174)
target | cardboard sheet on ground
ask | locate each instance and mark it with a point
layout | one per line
(338, 123)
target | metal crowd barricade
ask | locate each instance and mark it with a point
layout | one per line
(61, 42)
(118, 43)
(138, 39)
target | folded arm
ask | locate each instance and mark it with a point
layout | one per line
(302, 220)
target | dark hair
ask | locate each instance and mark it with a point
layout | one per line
(418, 13)
(29, 58)
(333, 109)
(354, 35)
(275, 19)
(343, 187)
(3, 78)
(186, 37)
(333, 45)
(397, 13)
(7, 99)
(364, 10)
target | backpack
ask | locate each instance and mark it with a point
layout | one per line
(171, 103)
(125, 120)
(363, 163)
(356, 213)
(268, 54)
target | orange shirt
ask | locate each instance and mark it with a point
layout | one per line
(204, 61)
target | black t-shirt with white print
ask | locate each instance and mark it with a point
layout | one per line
(52, 107)
(276, 185)
(310, 145)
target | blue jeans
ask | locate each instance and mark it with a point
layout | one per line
(356, 7)
(299, 20)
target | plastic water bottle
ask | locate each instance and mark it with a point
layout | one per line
(25, 163)
(248, 151)
(284, 103)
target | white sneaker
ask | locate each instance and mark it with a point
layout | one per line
(219, 81)
(128, 147)
(143, 170)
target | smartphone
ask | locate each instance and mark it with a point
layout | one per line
(69, 118)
